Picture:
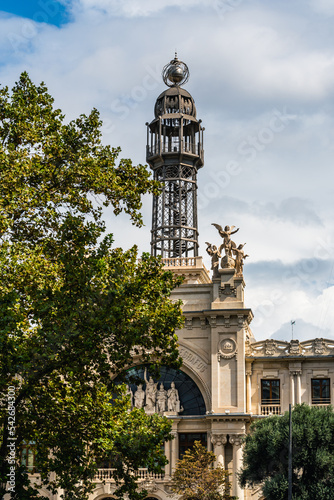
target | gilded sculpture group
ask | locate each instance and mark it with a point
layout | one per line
(230, 248)
(155, 400)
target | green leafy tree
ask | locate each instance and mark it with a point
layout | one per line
(196, 478)
(74, 310)
(265, 460)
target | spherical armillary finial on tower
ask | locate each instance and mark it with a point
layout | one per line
(175, 73)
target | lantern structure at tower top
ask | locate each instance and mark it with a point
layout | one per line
(175, 153)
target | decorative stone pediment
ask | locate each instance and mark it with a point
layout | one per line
(279, 348)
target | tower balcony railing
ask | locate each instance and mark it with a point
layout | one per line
(143, 474)
(179, 262)
(175, 147)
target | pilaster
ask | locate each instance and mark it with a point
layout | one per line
(219, 441)
(236, 441)
(295, 372)
(248, 387)
(168, 456)
(292, 387)
(174, 451)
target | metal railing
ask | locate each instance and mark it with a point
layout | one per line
(175, 147)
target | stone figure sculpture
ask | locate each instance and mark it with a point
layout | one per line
(129, 393)
(161, 399)
(155, 400)
(139, 396)
(215, 255)
(225, 233)
(239, 259)
(173, 398)
(151, 392)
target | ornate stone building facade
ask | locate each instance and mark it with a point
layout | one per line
(227, 379)
(239, 379)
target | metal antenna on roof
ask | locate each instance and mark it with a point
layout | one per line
(292, 323)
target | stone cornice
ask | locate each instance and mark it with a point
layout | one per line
(244, 316)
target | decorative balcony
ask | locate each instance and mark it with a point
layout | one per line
(270, 410)
(192, 269)
(180, 261)
(321, 403)
(143, 474)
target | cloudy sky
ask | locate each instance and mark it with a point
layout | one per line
(262, 76)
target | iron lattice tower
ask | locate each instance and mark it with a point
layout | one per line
(175, 153)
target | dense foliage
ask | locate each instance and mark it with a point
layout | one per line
(74, 310)
(196, 478)
(266, 454)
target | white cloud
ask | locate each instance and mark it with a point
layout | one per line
(135, 8)
(279, 305)
(323, 6)
(245, 63)
(258, 54)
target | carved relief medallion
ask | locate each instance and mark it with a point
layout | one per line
(227, 349)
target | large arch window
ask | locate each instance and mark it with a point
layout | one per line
(190, 396)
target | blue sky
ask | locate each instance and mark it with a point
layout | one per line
(47, 11)
(262, 76)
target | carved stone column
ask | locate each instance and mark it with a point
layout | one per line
(209, 442)
(168, 456)
(174, 451)
(219, 441)
(248, 391)
(298, 387)
(236, 441)
(292, 388)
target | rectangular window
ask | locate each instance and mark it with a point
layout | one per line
(28, 455)
(320, 391)
(187, 440)
(270, 392)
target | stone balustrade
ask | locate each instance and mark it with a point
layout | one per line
(271, 410)
(144, 474)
